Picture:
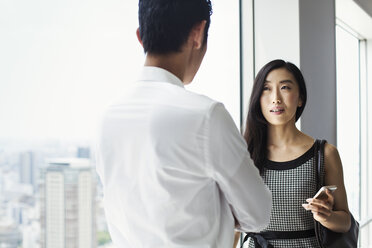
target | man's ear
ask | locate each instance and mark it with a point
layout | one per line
(197, 34)
(139, 36)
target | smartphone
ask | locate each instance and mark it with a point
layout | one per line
(321, 194)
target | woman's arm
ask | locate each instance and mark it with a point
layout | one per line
(332, 213)
(236, 239)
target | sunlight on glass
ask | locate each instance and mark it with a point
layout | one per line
(219, 76)
(348, 124)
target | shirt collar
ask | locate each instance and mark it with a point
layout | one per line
(157, 74)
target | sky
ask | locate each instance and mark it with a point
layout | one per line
(62, 62)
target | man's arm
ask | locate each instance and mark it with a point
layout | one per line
(235, 173)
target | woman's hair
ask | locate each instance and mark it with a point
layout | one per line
(256, 126)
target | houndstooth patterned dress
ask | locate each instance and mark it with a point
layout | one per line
(291, 183)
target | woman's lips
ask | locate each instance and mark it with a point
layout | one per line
(277, 111)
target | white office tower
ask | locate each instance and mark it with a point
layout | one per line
(68, 205)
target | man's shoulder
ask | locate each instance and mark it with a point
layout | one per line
(199, 100)
(165, 95)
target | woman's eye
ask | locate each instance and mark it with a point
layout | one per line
(265, 88)
(285, 87)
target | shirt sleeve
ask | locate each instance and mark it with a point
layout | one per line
(233, 170)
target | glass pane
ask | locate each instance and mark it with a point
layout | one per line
(348, 124)
(364, 236)
(364, 179)
(218, 76)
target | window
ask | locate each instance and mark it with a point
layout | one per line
(60, 64)
(352, 123)
(348, 113)
(219, 74)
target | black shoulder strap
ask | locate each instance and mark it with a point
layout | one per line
(319, 154)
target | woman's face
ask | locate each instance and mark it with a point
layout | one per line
(280, 97)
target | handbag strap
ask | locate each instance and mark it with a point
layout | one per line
(319, 155)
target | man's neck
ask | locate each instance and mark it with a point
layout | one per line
(174, 63)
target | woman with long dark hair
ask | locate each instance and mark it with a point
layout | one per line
(285, 157)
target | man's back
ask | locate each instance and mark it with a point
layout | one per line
(164, 186)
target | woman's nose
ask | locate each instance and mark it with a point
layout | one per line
(276, 96)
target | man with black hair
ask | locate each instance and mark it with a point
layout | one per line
(174, 167)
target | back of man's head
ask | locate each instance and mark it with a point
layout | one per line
(165, 25)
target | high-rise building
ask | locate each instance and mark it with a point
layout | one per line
(67, 194)
(83, 152)
(27, 168)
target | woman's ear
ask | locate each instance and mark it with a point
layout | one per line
(299, 103)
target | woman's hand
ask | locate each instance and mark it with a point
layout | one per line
(332, 211)
(322, 209)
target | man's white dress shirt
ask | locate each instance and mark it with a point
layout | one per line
(175, 169)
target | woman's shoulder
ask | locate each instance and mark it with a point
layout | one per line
(331, 156)
(330, 150)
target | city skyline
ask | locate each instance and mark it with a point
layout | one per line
(23, 204)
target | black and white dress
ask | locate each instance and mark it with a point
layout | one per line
(291, 183)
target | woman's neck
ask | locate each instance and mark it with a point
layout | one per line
(284, 135)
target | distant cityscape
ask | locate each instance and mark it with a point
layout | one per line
(50, 197)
